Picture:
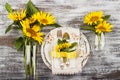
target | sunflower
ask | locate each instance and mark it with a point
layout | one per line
(59, 47)
(45, 18)
(33, 32)
(93, 17)
(103, 27)
(33, 18)
(59, 52)
(17, 15)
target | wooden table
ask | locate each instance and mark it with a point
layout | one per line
(102, 65)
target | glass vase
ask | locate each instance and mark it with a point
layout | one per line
(30, 52)
(99, 41)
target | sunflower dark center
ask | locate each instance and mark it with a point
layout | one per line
(32, 32)
(94, 18)
(44, 21)
(102, 28)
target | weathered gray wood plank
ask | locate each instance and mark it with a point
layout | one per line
(101, 65)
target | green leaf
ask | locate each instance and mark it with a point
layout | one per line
(8, 7)
(55, 25)
(62, 41)
(19, 42)
(31, 9)
(65, 50)
(73, 44)
(8, 28)
(72, 50)
(68, 50)
(106, 17)
(59, 41)
(88, 28)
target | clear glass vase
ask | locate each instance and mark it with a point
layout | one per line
(99, 41)
(30, 52)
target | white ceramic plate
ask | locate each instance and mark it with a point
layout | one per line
(75, 36)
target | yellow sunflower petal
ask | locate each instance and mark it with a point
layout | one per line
(33, 18)
(93, 17)
(25, 23)
(36, 28)
(45, 18)
(103, 27)
(17, 15)
(39, 37)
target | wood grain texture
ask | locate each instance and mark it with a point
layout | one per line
(102, 65)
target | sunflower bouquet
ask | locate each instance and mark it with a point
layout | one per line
(29, 22)
(64, 51)
(97, 22)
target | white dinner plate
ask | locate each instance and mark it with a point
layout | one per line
(75, 36)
